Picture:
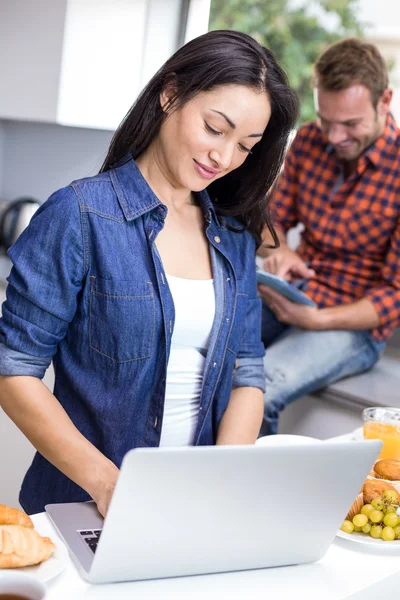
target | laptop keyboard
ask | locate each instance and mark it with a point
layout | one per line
(91, 537)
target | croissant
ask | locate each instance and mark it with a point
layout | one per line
(13, 516)
(22, 546)
(375, 487)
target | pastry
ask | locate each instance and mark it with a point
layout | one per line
(13, 516)
(388, 468)
(375, 487)
(22, 546)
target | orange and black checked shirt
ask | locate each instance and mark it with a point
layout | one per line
(352, 226)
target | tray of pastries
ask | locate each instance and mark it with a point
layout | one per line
(374, 516)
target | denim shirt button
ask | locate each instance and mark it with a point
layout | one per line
(217, 239)
(214, 364)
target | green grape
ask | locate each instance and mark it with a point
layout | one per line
(377, 503)
(366, 528)
(390, 496)
(388, 534)
(391, 520)
(376, 531)
(347, 526)
(389, 509)
(376, 516)
(397, 531)
(360, 520)
(367, 509)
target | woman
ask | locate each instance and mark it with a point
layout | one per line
(140, 285)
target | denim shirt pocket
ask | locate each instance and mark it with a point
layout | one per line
(122, 318)
(238, 318)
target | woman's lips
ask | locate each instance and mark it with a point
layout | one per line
(205, 171)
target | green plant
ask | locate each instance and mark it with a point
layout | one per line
(296, 33)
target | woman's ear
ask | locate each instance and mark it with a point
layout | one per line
(168, 94)
(166, 99)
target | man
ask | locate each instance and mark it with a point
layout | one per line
(341, 180)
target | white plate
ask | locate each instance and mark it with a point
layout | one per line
(48, 569)
(362, 538)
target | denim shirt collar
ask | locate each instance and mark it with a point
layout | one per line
(137, 198)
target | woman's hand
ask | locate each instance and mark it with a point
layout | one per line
(39, 415)
(104, 490)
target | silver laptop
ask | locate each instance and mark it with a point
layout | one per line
(186, 511)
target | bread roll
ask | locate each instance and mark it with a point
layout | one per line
(388, 468)
(22, 546)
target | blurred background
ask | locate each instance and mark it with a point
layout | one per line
(70, 69)
(299, 30)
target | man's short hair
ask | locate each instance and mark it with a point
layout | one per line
(351, 62)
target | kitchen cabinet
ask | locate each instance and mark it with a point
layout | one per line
(83, 62)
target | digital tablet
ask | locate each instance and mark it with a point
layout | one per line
(282, 286)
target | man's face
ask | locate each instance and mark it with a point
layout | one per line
(349, 120)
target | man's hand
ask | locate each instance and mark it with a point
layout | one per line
(286, 263)
(291, 313)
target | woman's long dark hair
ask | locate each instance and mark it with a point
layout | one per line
(213, 59)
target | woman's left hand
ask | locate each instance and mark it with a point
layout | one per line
(288, 312)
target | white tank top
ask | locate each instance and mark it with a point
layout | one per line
(194, 303)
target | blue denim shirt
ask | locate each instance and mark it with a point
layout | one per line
(88, 291)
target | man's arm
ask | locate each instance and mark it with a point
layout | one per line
(380, 306)
(356, 315)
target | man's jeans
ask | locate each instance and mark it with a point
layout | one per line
(298, 362)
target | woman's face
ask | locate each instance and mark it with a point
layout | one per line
(211, 135)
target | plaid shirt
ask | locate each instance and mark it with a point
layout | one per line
(352, 226)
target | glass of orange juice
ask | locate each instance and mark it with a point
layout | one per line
(383, 423)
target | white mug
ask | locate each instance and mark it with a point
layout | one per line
(21, 584)
(286, 439)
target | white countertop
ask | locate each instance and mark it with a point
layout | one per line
(347, 568)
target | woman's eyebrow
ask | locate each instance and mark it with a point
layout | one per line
(227, 119)
(232, 124)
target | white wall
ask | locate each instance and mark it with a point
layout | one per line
(161, 36)
(383, 17)
(383, 30)
(102, 53)
(20, 22)
(39, 158)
